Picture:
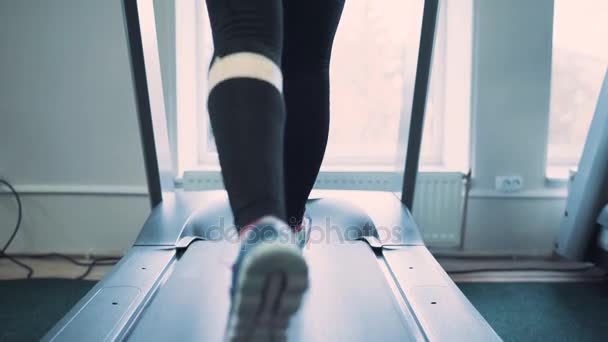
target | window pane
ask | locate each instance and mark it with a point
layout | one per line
(580, 58)
(372, 82)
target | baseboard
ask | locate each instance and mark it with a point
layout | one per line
(78, 189)
(81, 221)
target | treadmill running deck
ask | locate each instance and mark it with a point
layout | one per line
(178, 287)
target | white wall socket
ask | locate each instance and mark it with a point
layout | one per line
(509, 183)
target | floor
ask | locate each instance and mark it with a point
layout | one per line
(574, 311)
(29, 308)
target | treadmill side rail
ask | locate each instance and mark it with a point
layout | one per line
(442, 310)
(107, 311)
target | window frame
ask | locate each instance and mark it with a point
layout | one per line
(449, 92)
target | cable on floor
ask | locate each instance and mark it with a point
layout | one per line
(99, 261)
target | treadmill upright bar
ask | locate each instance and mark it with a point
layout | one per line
(421, 87)
(145, 65)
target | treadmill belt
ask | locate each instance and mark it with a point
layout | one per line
(348, 298)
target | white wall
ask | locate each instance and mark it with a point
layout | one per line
(68, 128)
(69, 139)
(511, 87)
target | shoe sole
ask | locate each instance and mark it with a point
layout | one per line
(272, 281)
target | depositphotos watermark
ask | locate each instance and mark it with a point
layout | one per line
(326, 231)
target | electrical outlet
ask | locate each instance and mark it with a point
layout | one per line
(509, 183)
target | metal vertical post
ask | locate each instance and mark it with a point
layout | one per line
(421, 88)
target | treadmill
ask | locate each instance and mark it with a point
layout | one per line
(371, 276)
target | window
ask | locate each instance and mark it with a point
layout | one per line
(373, 72)
(372, 93)
(580, 58)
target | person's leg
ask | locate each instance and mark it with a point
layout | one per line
(246, 106)
(247, 115)
(310, 27)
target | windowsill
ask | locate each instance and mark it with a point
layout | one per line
(349, 168)
(556, 193)
(559, 176)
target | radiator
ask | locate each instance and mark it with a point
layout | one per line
(439, 207)
(438, 202)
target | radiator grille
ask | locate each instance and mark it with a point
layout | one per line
(438, 207)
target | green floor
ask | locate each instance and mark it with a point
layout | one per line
(518, 311)
(543, 311)
(28, 308)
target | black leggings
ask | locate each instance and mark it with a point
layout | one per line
(271, 143)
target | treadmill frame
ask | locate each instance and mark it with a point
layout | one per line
(153, 123)
(112, 310)
(580, 227)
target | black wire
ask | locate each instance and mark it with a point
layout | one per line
(29, 270)
(90, 266)
(87, 271)
(105, 261)
(96, 262)
(102, 261)
(19, 214)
